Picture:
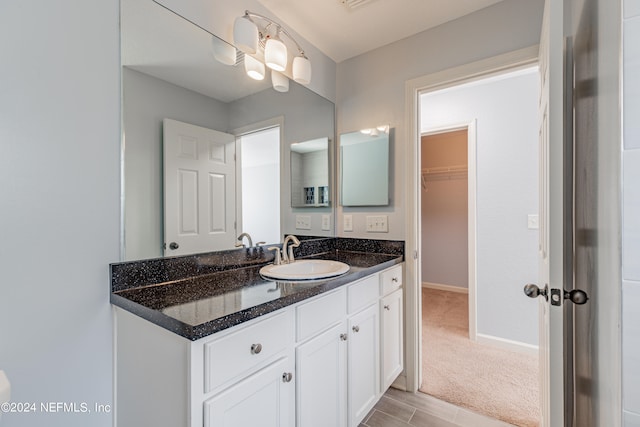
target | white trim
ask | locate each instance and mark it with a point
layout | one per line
(484, 68)
(506, 344)
(443, 287)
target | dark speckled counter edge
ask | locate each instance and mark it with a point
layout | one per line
(138, 274)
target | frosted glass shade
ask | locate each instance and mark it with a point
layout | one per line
(280, 81)
(301, 70)
(253, 67)
(275, 55)
(245, 35)
(223, 51)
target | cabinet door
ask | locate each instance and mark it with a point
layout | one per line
(391, 345)
(321, 379)
(363, 363)
(263, 399)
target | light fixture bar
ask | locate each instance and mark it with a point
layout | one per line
(279, 27)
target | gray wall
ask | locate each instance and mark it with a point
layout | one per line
(371, 87)
(60, 192)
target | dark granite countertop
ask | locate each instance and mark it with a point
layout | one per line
(197, 306)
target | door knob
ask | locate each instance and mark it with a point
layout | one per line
(533, 291)
(576, 296)
(173, 246)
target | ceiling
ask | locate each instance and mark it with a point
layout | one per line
(342, 33)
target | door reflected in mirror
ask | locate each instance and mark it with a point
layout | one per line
(364, 168)
(310, 173)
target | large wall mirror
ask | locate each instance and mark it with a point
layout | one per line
(364, 167)
(170, 75)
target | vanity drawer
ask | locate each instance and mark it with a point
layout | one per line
(363, 293)
(239, 353)
(390, 280)
(317, 315)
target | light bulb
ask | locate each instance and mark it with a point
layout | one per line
(275, 54)
(245, 34)
(301, 70)
(253, 67)
(280, 81)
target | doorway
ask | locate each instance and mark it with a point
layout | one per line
(492, 337)
(259, 184)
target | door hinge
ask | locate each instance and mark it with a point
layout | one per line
(415, 254)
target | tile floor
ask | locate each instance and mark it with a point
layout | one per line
(401, 409)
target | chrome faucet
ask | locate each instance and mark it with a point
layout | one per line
(283, 256)
(240, 242)
(287, 253)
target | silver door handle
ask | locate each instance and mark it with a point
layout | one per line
(533, 291)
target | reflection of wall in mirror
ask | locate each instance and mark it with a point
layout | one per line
(365, 171)
(309, 173)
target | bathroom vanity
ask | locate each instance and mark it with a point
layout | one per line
(230, 348)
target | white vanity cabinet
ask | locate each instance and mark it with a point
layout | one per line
(364, 348)
(391, 324)
(257, 394)
(322, 362)
(265, 398)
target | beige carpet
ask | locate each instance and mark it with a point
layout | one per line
(499, 383)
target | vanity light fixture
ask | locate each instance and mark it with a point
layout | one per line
(256, 34)
(376, 130)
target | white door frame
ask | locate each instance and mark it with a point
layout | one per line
(470, 127)
(454, 76)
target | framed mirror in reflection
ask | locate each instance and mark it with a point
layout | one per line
(170, 73)
(364, 167)
(310, 173)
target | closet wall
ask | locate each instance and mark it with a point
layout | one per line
(444, 210)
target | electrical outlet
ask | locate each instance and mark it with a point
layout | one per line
(347, 222)
(326, 222)
(303, 222)
(377, 224)
(533, 222)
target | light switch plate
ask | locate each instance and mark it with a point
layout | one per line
(303, 222)
(326, 222)
(347, 222)
(533, 222)
(377, 224)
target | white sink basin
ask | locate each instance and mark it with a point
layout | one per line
(305, 269)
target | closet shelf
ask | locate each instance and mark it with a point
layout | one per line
(443, 173)
(445, 170)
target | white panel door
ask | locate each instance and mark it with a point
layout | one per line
(264, 399)
(391, 319)
(199, 189)
(363, 367)
(551, 133)
(321, 368)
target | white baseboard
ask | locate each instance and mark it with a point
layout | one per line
(508, 344)
(442, 287)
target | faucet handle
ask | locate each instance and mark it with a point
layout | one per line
(295, 244)
(260, 243)
(277, 260)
